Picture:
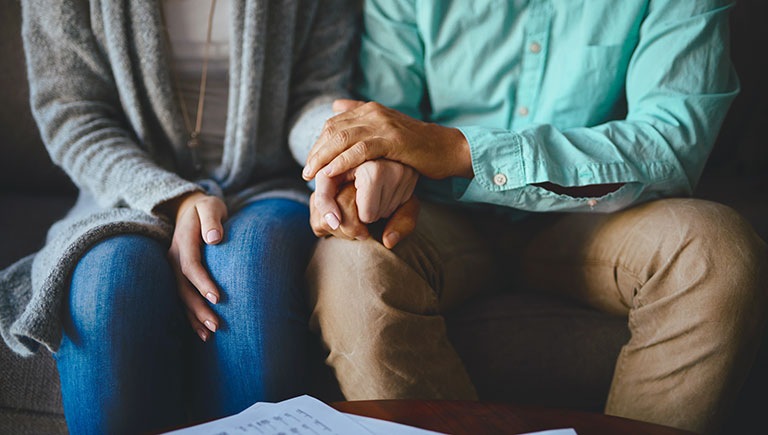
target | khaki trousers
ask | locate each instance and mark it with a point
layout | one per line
(690, 276)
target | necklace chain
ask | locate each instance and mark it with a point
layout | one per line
(193, 143)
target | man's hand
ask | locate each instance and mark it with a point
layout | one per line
(400, 225)
(199, 218)
(370, 131)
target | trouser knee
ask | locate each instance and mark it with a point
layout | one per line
(712, 254)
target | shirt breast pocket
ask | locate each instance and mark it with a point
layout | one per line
(593, 86)
(610, 22)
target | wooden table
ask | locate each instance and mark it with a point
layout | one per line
(466, 417)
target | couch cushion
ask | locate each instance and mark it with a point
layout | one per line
(24, 222)
(13, 422)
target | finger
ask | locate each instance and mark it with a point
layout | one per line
(355, 155)
(392, 196)
(211, 212)
(190, 261)
(350, 227)
(203, 314)
(330, 145)
(201, 330)
(201, 311)
(316, 221)
(331, 127)
(344, 105)
(402, 223)
(403, 193)
(368, 197)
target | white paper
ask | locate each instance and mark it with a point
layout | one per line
(303, 415)
(554, 432)
(384, 427)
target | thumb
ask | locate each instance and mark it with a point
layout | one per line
(402, 223)
(345, 105)
(212, 212)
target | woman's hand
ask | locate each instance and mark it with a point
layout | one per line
(382, 186)
(400, 225)
(199, 218)
(370, 131)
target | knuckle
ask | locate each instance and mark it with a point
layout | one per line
(187, 268)
(340, 138)
(362, 149)
(329, 128)
(185, 265)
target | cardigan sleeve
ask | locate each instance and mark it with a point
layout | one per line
(75, 102)
(322, 71)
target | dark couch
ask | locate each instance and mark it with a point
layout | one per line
(518, 347)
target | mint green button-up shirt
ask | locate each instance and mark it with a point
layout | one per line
(572, 92)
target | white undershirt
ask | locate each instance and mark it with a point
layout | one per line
(187, 22)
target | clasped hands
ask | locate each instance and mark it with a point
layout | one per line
(366, 163)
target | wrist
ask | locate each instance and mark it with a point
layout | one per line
(460, 153)
(173, 208)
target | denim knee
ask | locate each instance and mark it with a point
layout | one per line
(124, 281)
(262, 259)
(259, 268)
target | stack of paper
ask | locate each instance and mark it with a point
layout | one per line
(305, 415)
(302, 415)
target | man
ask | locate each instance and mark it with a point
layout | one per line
(595, 107)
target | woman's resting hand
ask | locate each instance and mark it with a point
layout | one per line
(199, 219)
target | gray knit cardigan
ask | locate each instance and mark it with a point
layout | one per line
(105, 105)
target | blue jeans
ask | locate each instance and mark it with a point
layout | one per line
(130, 362)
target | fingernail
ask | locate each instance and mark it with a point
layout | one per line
(306, 171)
(327, 170)
(210, 325)
(213, 236)
(212, 298)
(393, 238)
(203, 335)
(332, 220)
(361, 238)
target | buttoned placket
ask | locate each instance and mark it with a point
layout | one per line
(537, 32)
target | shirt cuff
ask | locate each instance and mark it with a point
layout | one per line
(497, 158)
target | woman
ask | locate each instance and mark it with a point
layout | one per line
(120, 101)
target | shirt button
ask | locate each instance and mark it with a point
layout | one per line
(535, 47)
(499, 179)
(523, 111)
